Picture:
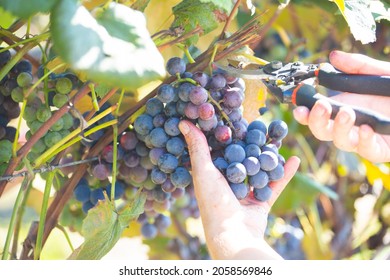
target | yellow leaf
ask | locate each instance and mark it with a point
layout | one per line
(378, 172)
(340, 4)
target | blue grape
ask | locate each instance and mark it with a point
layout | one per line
(258, 125)
(141, 149)
(157, 176)
(167, 163)
(149, 231)
(155, 153)
(198, 95)
(208, 125)
(201, 77)
(96, 195)
(259, 180)
(138, 174)
(262, 194)
(184, 91)
(158, 137)
(277, 173)
(82, 192)
(175, 146)
(252, 165)
(131, 159)
(277, 130)
(221, 164)
(217, 81)
(167, 186)
(166, 93)
(162, 222)
(236, 172)
(268, 160)
(234, 153)
(240, 130)
(181, 178)
(232, 98)
(252, 150)
(241, 190)
(171, 126)
(271, 148)
(255, 136)
(146, 163)
(87, 205)
(170, 109)
(119, 190)
(159, 120)
(143, 124)
(180, 107)
(176, 65)
(154, 106)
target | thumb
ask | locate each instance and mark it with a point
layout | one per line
(197, 143)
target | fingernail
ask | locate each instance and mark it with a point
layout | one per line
(320, 111)
(344, 118)
(365, 132)
(184, 128)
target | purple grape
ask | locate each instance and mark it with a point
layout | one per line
(158, 137)
(184, 91)
(131, 159)
(149, 231)
(277, 173)
(240, 130)
(201, 78)
(258, 125)
(208, 125)
(256, 137)
(217, 81)
(176, 65)
(168, 187)
(191, 111)
(216, 95)
(198, 95)
(159, 120)
(171, 126)
(155, 153)
(175, 146)
(252, 150)
(181, 178)
(236, 172)
(239, 83)
(180, 107)
(141, 149)
(162, 222)
(138, 174)
(235, 115)
(157, 176)
(143, 124)
(232, 98)
(146, 163)
(223, 133)
(206, 111)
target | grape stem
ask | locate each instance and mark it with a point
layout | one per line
(224, 115)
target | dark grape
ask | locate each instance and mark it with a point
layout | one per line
(236, 172)
(131, 159)
(184, 91)
(181, 178)
(277, 173)
(259, 180)
(198, 95)
(268, 160)
(167, 163)
(100, 171)
(157, 176)
(96, 195)
(176, 65)
(201, 77)
(252, 150)
(277, 130)
(154, 106)
(217, 81)
(149, 231)
(143, 124)
(252, 165)
(206, 111)
(22, 66)
(241, 190)
(191, 111)
(158, 137)
(262, 194)
(159, 120)
(128, 140)
(138, 174)
(175, 146)
(171, 126)
(221, 164)
(82, 192)
(208, 125)
(234, 153)
(119, 190)
(223, 133)
(166, 93)
(232, 98)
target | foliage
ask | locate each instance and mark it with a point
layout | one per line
(337, 205)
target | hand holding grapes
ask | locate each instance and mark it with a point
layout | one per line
(234, 229)
(362, 140)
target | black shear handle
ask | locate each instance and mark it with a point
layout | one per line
(306, 95)
(355, 83)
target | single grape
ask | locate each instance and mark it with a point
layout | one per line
(24, 79)
(10, 132)
(252, 165)
(170, 109)
(162, 222)
(234, 153)
(181, 178)
(119, 190)
(87, 206)
(240, 190)
(157, 176)
(221, 164)
(155, 153)
(60, 100)
(149, 231)
(154, 106)
(43, 114)
(208, 125)
(100, 171)
(277, 130)
(223, 133)
(166, 93)
(255, 136)
(128, 140)
(138, 174)
(235, 115)
(22, 66)
(67, 120)
(5, 56)
(34, 125)
(262, 194)
(131, 159)
(184, 91)
(51, 138)
(17, 94)
(201, 77)
(176, 65)
(143, 124)
(217, 81)
(159, 120)
(158, 137)
(259, 180)
(232, 98)
(268, 160)
(252, 150)
(191, 111)
(39, 146)
(167, 163)
(171, 126)
(236, 172)
(64, 85)
(175, 146)
(277, 173)
(180, 107)
(141, 149)
(82, 192)
(5, 150)
(146, 163)
(96, 195)
(240, 130)
(58, 125)
(198, 95)
(168, 187)
(206, 111)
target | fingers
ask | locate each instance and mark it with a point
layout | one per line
(319, 120)
(358, 63)
(344, 135)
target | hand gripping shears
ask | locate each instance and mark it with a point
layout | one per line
(293, 83)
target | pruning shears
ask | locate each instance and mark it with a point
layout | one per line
(294, 83)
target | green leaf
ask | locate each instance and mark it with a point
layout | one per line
(6, 18)
(359, 18)
(226, 6)
(301, 191)
(190, 14)
(25, 10)
(103, 227)
(140, 5)
(114, 49)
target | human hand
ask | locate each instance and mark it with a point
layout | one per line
(233, 229)
(345, 136)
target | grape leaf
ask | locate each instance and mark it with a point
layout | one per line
(103, 227)
(140, 5)
(114, 49)
(20, 9)
(227, 6)
(359, 18)
(190, 14)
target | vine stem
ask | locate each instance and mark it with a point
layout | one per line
(12, 223)
(229, 20)
(41, 226)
